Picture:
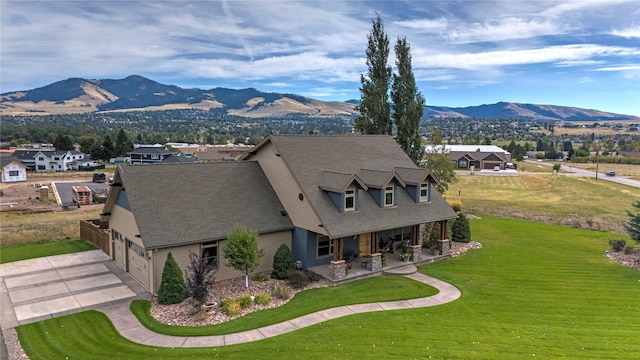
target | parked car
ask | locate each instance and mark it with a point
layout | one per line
(610, 173)
(496, 168)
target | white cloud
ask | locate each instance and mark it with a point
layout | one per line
(506, 29)
(424, 25)
(630, 32)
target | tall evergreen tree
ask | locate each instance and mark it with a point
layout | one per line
(374, 104)
(63, 142)
(172, 287)
(123, 144)
(633, 225)
(408, 104)
(107, 151)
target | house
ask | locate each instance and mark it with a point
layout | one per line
(331, 199)
(149, 155)
(350, 194)
(182, 208)
(479, 156)
(12, 170)
(50, 161)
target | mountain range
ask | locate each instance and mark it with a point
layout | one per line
(76, 95)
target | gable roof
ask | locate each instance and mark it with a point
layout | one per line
(176, 204)
(338, 182)
(308, 156)
(144, 150)
(6, 160)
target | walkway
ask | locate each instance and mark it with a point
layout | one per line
(27, 286)
(130, 328)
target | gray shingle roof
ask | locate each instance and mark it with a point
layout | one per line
(188, 203)
(309, 156)
(338, 182)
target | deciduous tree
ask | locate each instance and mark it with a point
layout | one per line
(241, 249)
(199, 277)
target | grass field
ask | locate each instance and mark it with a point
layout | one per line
(533, 290)
(34, 250)
(20, 229)
(571, 201)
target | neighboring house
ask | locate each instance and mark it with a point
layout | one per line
(149, 155)
(632, 154)
(326, 197)
(349, 194)
(49, 161)
(182, 208)
(12, 170)
(478, 156)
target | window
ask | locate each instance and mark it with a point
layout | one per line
(155, 157)
(350, 200)
(56, 158)
(210, 253)
(388, 196)
(116, 235)
(325, 246)
(13, 172)
(41, 167)
(424, 192)
(139, 250)
(463, 163)
(41, 158)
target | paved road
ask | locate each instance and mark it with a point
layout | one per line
(572, 171)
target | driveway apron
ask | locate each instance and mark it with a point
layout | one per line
(38, 289)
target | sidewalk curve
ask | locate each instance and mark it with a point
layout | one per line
(130, 328)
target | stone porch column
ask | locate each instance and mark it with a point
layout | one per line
(416, 253)
(375, 264)
(337, 270)
(445, 247)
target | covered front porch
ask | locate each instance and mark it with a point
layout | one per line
(361, 269)
(375, 253)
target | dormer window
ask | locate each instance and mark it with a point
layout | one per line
(350, 200)
(388, 195)
(424, 192)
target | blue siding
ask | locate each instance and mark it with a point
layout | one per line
(414, 192)
(377, 195)
(337, 199)
(122, 200)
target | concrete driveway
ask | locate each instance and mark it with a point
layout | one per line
(38, 289)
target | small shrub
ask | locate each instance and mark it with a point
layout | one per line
(456, 205)
(245, 301)
(297, 279)
(232, 309)
(313, 277)
(460, 230)
(628, 250)
(224, 304)
(282, 291)
(282, 263)
(259, 278)
(617, 245)
(173, 289)
(262, 299)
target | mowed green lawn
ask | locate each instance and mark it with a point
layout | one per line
(533, 290)
(35, 250)
(559, 199)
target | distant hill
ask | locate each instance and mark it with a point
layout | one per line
(507, 110)
(135, 92)
(138, 93)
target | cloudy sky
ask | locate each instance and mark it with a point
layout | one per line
(583, 53)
